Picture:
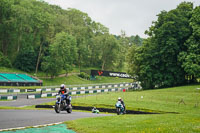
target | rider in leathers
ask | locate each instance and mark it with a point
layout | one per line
(122, 102)
(65, 91)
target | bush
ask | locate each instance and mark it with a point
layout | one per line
(26, 59)
(84, 75)
(4, 61)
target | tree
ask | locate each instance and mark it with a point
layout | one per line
(4, 61)
(80, 26)
(26, 59)
(51, 65)
(33, 25)
(157, 61)
(142, 64)
(64, 49)
(124, 45)
(95, 46)
(191, 57)
(137, 40)
(41, 28)
(108, 48)
(6, 26)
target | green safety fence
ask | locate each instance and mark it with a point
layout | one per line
(56, 89)
(77, 92)
(8, 97)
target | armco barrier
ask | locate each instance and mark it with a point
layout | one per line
(8, 97)
(27, 90)
(72, 89)
(76, 92)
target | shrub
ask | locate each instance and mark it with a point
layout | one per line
(26, 59)
(84, 75)
(4, 61)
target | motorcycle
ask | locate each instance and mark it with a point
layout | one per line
(120, 108)
(62, 105)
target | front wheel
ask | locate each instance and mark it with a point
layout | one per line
(57, 108)
(69, 110)
(118, 111)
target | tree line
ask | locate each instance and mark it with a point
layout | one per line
(36, 36)
(170, 56)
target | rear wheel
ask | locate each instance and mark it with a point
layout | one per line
(57, 108)
(124, 112)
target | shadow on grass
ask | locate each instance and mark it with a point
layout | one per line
(109, 110)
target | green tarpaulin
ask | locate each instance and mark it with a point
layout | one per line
(61, 128)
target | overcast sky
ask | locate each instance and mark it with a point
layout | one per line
(131, 16)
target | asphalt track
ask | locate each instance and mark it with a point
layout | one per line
(26, 102)
(22, 101)
(26, 118)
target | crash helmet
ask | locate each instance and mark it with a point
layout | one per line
(62, 86)
(119, 99)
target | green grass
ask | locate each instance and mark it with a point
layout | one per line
(167, 100)
(10, 70)
(70, 80)
(18, 108)
(161, 99)
(20, 87)
(42, 74)
(75, 80)
(138, 124)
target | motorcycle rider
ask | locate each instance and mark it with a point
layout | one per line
(122, 102)
(65, 91)
(95, 110)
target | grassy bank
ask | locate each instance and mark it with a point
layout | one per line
(69, 80)
(184, 100)
(72, 80)
(138, 124)
(75, 80)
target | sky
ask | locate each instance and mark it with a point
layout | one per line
(132, 16)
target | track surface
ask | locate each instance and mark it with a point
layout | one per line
(24, 118)
(26, 102)
(22, 101)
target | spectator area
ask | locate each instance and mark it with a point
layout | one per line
(27, 78)
(11, 77)
(15, 79)
(3, 79)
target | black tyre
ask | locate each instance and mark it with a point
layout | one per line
(124, 112)
(69, 110)
(118, 111)
(57, 108)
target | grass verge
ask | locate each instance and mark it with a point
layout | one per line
(184, 100)
(75, 80)
(70, 80)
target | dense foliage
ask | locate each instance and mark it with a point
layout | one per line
(37, 36)
(171, 54)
